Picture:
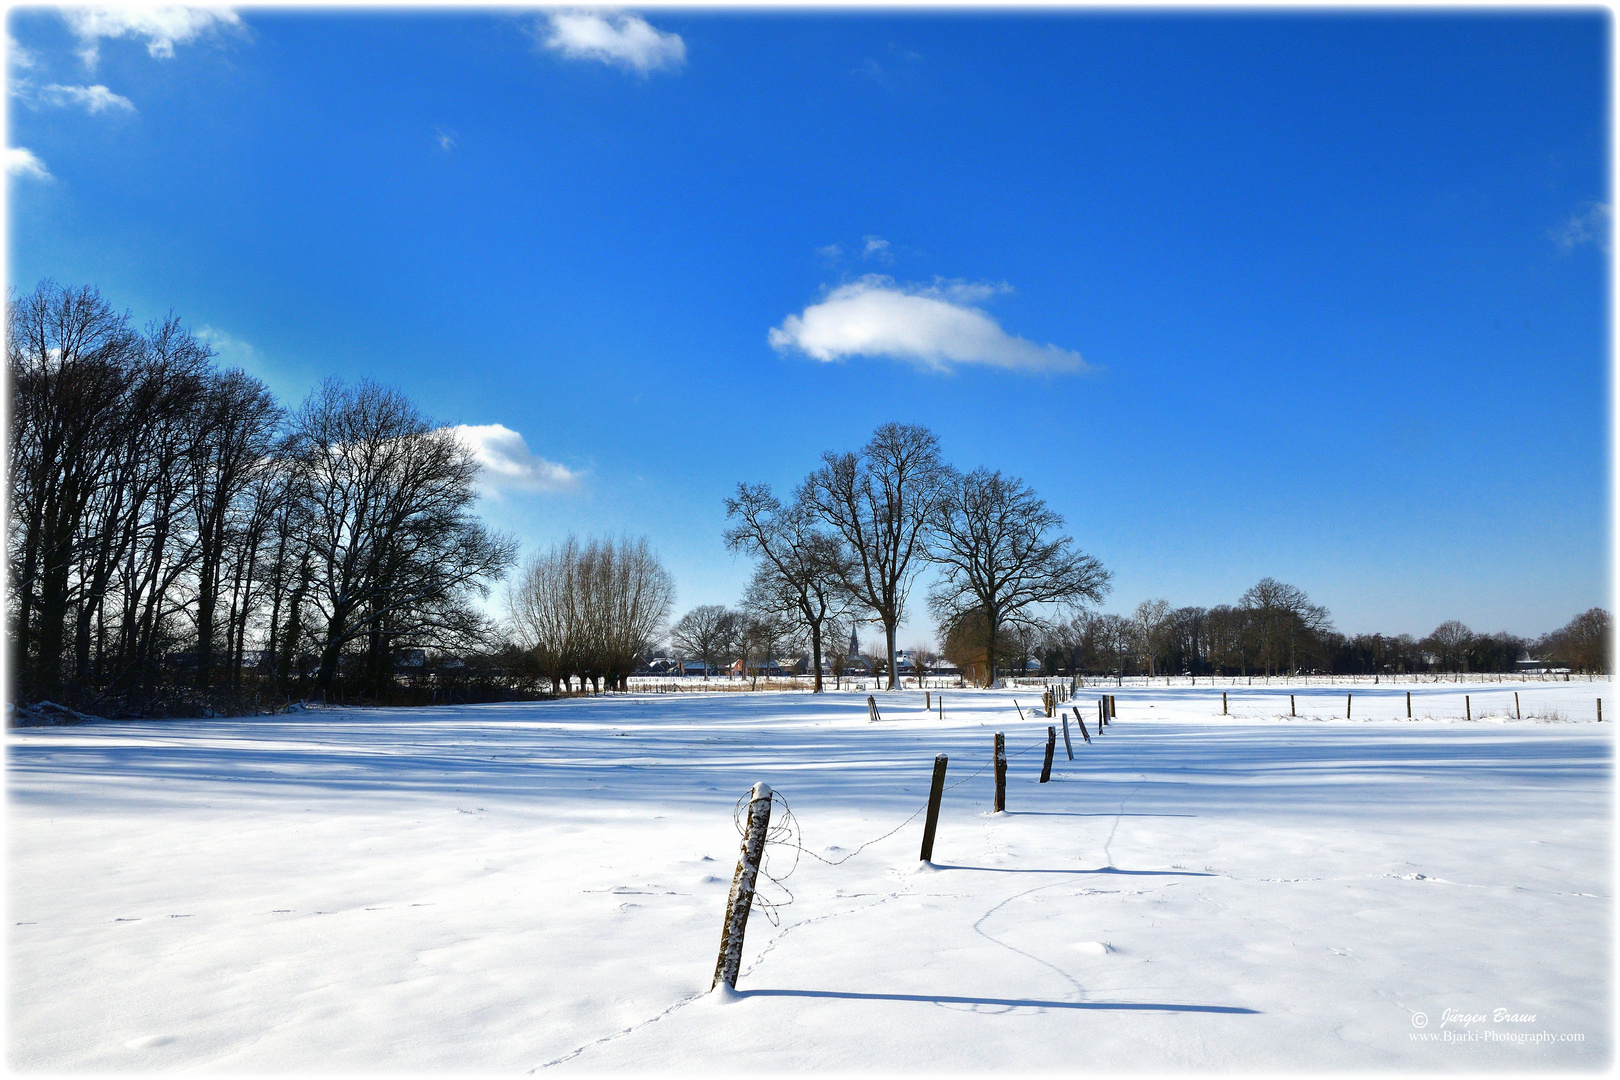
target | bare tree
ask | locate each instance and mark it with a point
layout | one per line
(1582, 644)
(800, 567)
(1283, 618)
(707, 633)
(70, 358)
(996, 555)
(396, 552)
(881, 503)
(1153, 628)
(1449, 642)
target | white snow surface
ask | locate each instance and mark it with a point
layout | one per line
(541, 886)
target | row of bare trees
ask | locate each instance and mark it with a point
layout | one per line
(1275, 629)
(169, 521)
(862, 526)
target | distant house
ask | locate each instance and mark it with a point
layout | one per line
(768, 668)
(693, 667)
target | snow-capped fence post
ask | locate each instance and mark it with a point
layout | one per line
(1082, 722)
(1051, 748)
(742, 887)
(935, 793)
(1068, 747)
(1001, 772)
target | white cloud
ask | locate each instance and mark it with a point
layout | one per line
(21, 161)
(831, 251)
(614, 38)
(877, 248)
(91, 99)
(447, 140)
(1588, 225)
(508, 462)
(18, 56)
(163, 27)
(933, 326)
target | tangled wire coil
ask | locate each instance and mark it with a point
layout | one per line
(785, 831)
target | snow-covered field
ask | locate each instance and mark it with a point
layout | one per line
(520, 886)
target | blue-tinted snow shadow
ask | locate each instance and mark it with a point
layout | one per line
(1099, 870)
(706, 750)
(1011, 1003)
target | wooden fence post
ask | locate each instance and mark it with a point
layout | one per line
(1347, 706)
(1517, 715)
(1223, 702)
(934, 794)
(928, 702)
(1051, 748)
(1291, 711)
(1001, 772)
(1102, 710)
(942, 706)
(1068, 747)
(1600, 710)
(872, 713)
(1409, 704)
(742, 887)
(1082, 722)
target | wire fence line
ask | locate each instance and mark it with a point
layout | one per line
(786, 832)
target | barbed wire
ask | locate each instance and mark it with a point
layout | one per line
(785, 831)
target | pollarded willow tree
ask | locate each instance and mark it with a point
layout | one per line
(996, 556)
(590, 609)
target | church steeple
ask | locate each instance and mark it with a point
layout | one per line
(854, 643)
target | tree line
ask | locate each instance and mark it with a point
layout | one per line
(165, 512)
(1273, 629)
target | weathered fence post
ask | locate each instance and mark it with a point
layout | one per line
(1082, 722)
(1468, 710)
(1409, 704)
(1001, 772)
(1600, 710)
(1101, 712)
(1113, 711)
(942, 706)
(872, 709)
(1291, 711)
(1068, 747)
(1347, 706)
(1517, 715)
(1223, 702)
(742, 887)
(935, 793)
(1051, 748)
(928, 702)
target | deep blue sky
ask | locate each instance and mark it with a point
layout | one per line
(1339, 281)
